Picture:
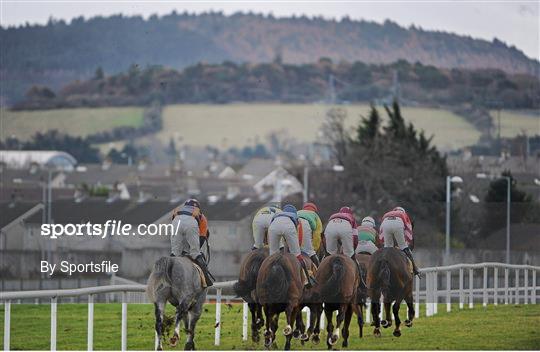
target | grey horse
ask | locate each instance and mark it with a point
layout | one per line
(175, 279)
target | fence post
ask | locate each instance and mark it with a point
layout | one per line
(461, 293)
(323, 318)
(471, 287)
(368, 314)
(7, 324)
(485, 293)
(90, 333)
(217, 337)
(516, 288)
(428, 294)
(435, 292)
(124, 321)
(506, 293)
(448, 288)
(534, 287)
(245, 321)
(526, 285)
(417, 303)
(495, 285)
(308, 316)
(53, 323)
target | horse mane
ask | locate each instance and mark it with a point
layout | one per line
(277, 281)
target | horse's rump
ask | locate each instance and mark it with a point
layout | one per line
(249, 270)
(278, 276)
(337, 279)
(388, 273)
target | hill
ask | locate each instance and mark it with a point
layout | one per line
(59, 52)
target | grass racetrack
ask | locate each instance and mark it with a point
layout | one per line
(493, 328)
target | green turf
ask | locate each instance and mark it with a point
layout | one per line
(78, 122)
(517, 122)
(492, 328)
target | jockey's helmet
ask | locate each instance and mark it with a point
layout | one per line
(193, 202)
(399, 209)
(346, 210)
(311, 206)
(289, 209)
(368, 221)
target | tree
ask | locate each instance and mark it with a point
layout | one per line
(98, 75)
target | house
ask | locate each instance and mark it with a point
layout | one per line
(24, 159)
(270, 179)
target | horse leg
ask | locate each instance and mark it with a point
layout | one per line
(260, 318)
(329, 327)
(254, 322)
(410, 309)
(291, 316)
(268, 332)
(339, 319)
(395, 310)
(180, 312)
(387, 322)
(299, 328)
(375, 309)
(159, 308)
(317, 312)
(346, 324)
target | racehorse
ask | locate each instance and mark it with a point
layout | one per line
(337, 288)
(177, 280)
(279, 289)
(390, 275)
(245, 288)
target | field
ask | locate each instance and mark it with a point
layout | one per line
(514, 123)
(77, 122)
(492, 328)
(246, 124)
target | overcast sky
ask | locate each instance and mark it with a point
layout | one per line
(514, 22)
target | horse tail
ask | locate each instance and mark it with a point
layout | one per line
(277, 282)
(331, 290)
(248, 281)
(160, 277)
(384, 277)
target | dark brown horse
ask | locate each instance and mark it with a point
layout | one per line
(279, 289)
(245, 288)
(337, 287)
(390, 276)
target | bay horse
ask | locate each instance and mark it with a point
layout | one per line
(176, 280)
(390, 276)
(245, 288)
(279, 289)
(337, 288)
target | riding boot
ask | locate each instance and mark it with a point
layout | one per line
(315, 260)
(200, 261)
(408, 253)
(311, 279)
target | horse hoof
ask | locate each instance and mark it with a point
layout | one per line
(296, 334)
(386, 323)
(408, 323)
(304, 337)
(189, 346)
(173, 341)
(267, 343)
(345, 343)
(332, 340)
(377, 333)
(397, 333)
(287, 330)
(315, 339)
(267, 334)
(255, 338)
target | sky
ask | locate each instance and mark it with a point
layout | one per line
(514, 22)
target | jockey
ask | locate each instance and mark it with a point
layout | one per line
(261, 222)
(341, 227)
(285, 225)
(367, 234)
(311, 231)
(396, 225)
(190, 223)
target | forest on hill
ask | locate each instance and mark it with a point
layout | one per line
(413, 84)
(60, 52)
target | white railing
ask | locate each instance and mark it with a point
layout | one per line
(511, 290)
